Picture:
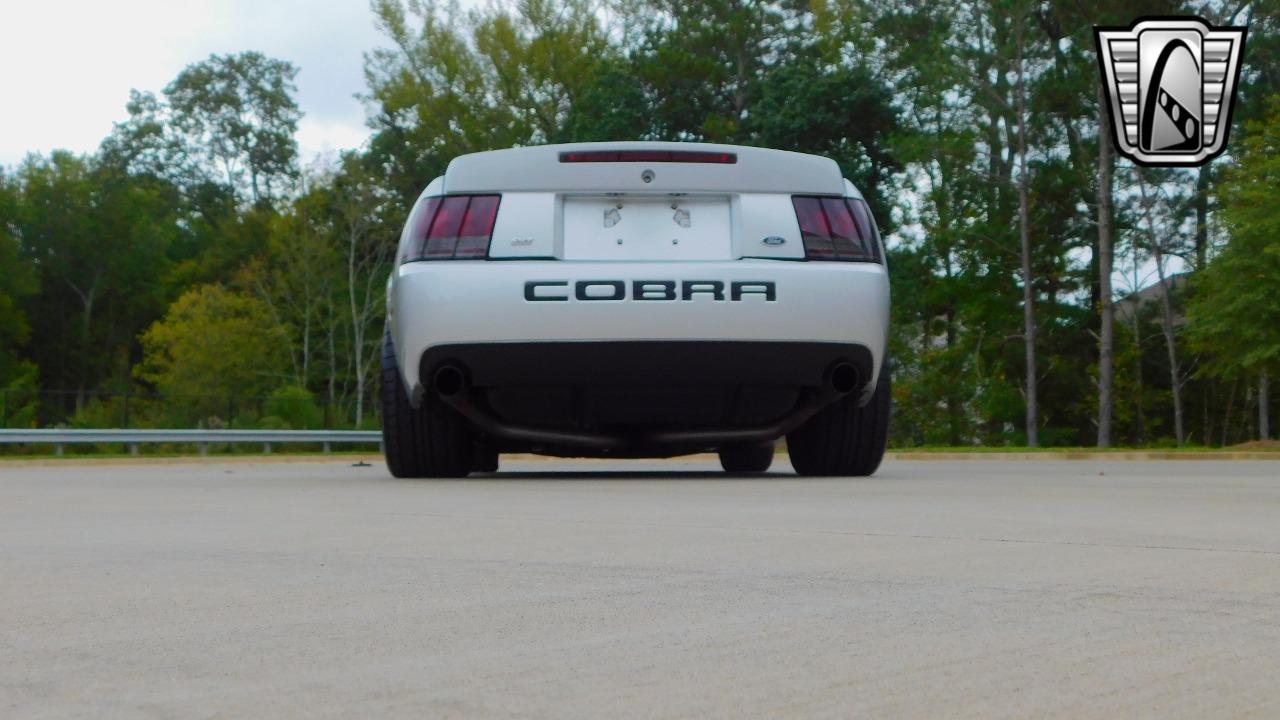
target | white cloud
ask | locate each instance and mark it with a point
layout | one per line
(327, 139)
(66, 68)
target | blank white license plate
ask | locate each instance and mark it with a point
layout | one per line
(647, 229)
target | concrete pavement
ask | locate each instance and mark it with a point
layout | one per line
(979, 588)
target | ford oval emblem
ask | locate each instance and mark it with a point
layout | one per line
(774, 240)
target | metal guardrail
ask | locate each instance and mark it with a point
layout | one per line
(201, 438)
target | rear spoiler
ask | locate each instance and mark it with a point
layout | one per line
(643, 167)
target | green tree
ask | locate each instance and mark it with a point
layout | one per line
(536, 58)
(1234, 312)
(839, 109)
(997, 114)
(453, 82)
(239, 112)
(704, 64)
(98, 241)
(431, 94)
(612, 104)
(18, 281)
(365, 219)
(294, 277)
(293, 407)
(221, 141)
(226, 122)
(213, 344)
(323, 278)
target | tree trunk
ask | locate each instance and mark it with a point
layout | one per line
(1226, 416)
(1166, 314)
(1247, 429)
(253, 181)
(357, 328)
(1024, 231)
(1202, 216)
(1140, 415)
(1264, 402)
(86, 328)
(1206, 399)
(1170, 343)
(954, 404)
(1106, 338)
(333, 360)
(87, 298)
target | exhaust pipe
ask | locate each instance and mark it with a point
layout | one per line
(842, 379)
(449, 381)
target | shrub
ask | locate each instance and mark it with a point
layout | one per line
(295, 407)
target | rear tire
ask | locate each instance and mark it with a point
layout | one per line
(844, 439)
(746, 458)
(430, 441)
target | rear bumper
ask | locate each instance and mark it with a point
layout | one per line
(649, 363)
(646, 398)
(483, 311)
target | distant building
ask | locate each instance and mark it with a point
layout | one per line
(1127, 306)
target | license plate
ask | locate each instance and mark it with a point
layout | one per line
(647, 229)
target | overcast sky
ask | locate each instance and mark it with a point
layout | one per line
(66, 66)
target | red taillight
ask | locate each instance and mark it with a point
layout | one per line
(477, 227)
(814, 229)
(835, 229)
(420, 222)
(442, 238)
(452, 227)
(656, 156)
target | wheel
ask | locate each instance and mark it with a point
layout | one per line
(746, 458)
(844, 439)
(430, 441)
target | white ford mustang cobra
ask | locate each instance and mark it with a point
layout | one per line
(637, 299)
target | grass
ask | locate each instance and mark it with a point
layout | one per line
(1191, 449)
(80, 453)
(170, 451)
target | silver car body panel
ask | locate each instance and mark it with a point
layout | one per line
(477, 301)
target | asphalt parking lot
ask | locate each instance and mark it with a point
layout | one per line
(641, 589)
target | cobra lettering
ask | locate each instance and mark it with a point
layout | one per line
(650, 290)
